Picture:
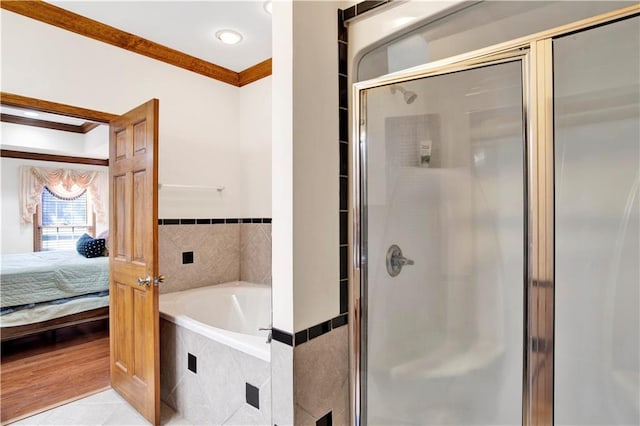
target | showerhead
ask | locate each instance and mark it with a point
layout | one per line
(408, 95)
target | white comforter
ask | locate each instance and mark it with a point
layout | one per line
(49, 275)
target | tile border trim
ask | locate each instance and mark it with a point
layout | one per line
(214, 221)
(310, 333)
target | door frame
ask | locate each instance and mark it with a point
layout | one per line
(41, 105)
(535, 52)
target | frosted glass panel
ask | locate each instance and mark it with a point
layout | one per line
(597, 153)
(480, 25)
(445, 181)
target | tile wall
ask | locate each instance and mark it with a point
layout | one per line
(209, 383)
(199, 252)
(321, 377)
(255, 253)
(282, 383)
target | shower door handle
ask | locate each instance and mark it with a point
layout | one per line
(395, 260)
(402, 261)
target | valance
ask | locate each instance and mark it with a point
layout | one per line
(64, 183)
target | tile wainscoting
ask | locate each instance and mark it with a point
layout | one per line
(319, 382)
(208, 383)
(199, 252)
(321, 379)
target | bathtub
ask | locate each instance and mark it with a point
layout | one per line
(229, 313)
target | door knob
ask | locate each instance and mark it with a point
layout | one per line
(159, 279)
(395, 260)
(144, 281)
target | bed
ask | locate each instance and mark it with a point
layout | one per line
(50, 289)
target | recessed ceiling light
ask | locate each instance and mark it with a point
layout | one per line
(229, 36)
(31, 114)
(268, 6)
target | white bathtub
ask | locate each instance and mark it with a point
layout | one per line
(229, 313)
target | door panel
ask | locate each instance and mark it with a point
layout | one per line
(139, 138)
(140, 366)
(121, 144)
(133, 262)
(445, 182)
(140, 221)
(119, 226)
(122, 339)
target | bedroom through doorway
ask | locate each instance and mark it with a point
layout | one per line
(54, 278)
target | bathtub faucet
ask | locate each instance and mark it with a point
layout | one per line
(270, 331)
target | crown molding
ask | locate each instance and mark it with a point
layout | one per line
(67, 20)
(254, 73)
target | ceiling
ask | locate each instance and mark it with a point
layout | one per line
(186, 26)
(189, 26)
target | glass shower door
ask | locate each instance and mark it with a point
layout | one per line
(443, 210)
(597, 157)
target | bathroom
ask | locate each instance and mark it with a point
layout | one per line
(290, 193)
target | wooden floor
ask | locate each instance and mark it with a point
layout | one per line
(43, 371)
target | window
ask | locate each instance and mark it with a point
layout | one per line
(61, 221)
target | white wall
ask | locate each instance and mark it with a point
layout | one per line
(199, 116)
(282, 167)
(29, 138)
(94, 144)
(15, 236)
(255, 147)
(305, 164)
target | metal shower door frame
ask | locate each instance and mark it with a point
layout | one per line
(536, 55)
(359, 212)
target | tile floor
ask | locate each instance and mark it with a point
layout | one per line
(104, 408)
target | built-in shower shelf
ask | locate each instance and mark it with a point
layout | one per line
(453, 364)
(417, 169)
(433, 171)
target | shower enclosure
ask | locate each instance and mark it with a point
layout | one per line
(496, 234)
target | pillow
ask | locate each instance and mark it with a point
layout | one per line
(105, 234)
(90, 247)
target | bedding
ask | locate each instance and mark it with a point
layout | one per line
(45, 276)
(46, 311)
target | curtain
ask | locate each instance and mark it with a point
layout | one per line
(64, 183)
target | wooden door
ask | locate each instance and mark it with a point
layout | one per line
(133, 311)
